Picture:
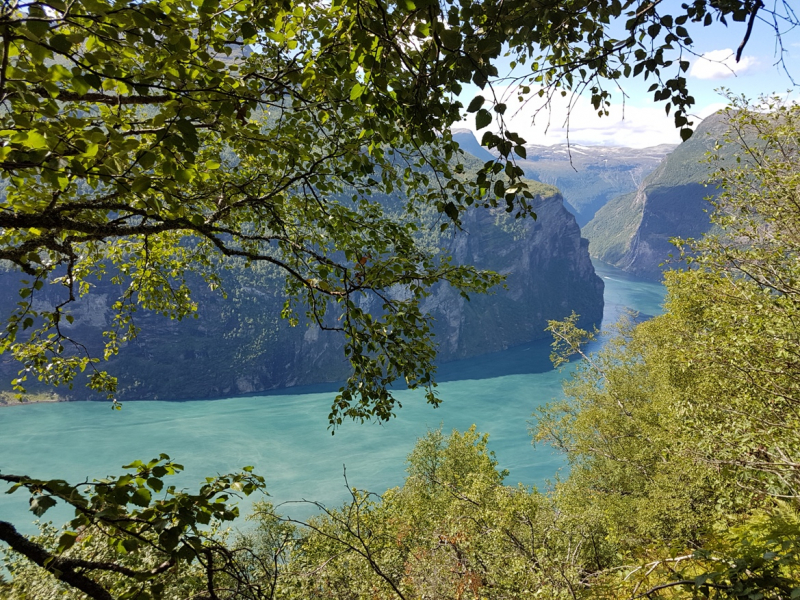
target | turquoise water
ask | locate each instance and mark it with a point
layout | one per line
(285, 436)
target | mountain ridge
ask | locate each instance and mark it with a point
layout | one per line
(633, 231)
(587, 176)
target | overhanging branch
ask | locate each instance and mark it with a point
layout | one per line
(59, 568)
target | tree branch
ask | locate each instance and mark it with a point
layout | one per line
(106, 99)
(752, 20)
(59, 568)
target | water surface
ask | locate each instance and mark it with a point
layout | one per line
(285, 435)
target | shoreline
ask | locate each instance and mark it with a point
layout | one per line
(19, 399)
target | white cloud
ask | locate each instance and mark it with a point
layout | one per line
(710, 109)
(721, 64)
(636, 127)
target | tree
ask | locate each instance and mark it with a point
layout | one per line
(144, 141)
(451, 531)
(134, 537)
(683, 430)
(748, 336)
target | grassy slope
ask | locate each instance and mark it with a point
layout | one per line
(612, 228)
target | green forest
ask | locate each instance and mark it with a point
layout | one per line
(152, 143)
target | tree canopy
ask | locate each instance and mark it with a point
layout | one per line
(143, 141)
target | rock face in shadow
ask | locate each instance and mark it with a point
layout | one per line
(549, 275)
(241, 345)
(633, 231)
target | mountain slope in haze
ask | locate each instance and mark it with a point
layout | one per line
(468, 143)
(633, 231)
(586, 176)
(595, 174)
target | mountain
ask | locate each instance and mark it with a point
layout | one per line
(468, 143)
(587, 176)
(241, 345)
(549, 275)
(632, 231)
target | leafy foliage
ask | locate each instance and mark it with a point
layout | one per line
(748, 335)
(133, 536)
(682, 429)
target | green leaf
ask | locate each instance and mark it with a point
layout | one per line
(80, 85)
(35, 140)
(169, 538)
(476, 103)
(482, 119)
(451, 39)
(61, 43)
(67, 540)
(141, 184)
(41, 504)
(356, 91)
(248, 30)
(141, 497)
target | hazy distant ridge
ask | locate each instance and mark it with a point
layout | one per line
(586, 176)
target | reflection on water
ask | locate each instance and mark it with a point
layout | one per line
(285, 436)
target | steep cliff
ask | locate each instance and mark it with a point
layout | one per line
(549, 275)
(633, 231)
(241, 345)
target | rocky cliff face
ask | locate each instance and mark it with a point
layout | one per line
(241, 345)
(549, 275)
(633, 231)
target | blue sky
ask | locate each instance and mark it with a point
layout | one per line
(644, 123)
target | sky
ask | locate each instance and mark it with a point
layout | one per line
(636, 121)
